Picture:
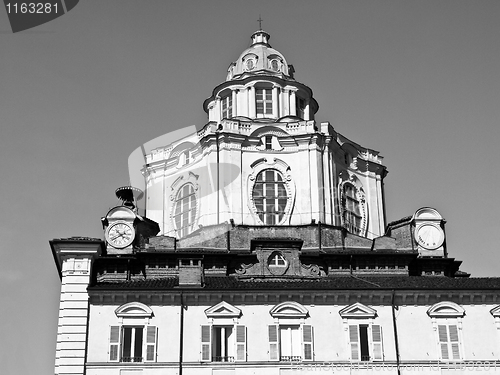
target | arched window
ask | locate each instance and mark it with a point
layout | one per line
(352, 213)
(270, 197)
(185, 210)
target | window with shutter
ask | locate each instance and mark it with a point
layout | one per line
(443, 341)
(273, 343)
(114, 343)
(449, 341)
(206, 343)
(366, 342)
(241, 343)
(307, 340)
(378, 353)
(136, 340)
(354, 342)
(151, 335)
(454, 341)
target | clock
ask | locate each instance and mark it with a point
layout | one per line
(120, 234)
(430, 236)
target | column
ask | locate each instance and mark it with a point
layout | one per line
(235, 107)
(275, 102)
(223, 343)
(307, 115)
(251, 102)
(217, 113)
(293, 107)
(285, 101)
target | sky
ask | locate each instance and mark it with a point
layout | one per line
(418, 81)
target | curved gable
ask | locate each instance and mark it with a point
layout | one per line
(134, 310)
(446, 309)
(289, 310)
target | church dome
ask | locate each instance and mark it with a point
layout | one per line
(259, 58)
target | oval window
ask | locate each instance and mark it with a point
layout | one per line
(275, 65)
(270, 196)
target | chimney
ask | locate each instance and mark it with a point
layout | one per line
(190, 273)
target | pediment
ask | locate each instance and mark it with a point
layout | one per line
(495, 311)
(223, 310)
(289, 310)
(134, 310)
(446, 309)
(358, 310)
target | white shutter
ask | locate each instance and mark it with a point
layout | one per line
(273, 343)
(443, 341)
(151, 338)
(307, 342)
(354, 342)
(114, 343)
(241, 343)
(377, 350)
(206, 343)
(455, 350)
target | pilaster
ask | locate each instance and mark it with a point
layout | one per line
(74, 257)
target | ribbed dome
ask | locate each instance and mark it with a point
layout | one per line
(259, 58)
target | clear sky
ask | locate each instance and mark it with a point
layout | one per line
(418, 81)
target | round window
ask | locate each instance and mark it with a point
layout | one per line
(277, 264)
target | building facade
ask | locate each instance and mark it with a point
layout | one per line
(265, 249)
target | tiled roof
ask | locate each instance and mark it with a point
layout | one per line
(327, 283)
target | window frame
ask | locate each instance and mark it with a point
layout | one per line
(136, 317)
(300, 107)
(183, 229)
(227, 106)
(289, 185)
(348, 214)
(269, 206)
(266, 102)
(444, 315)
(223, 315)
(358, 315)
(286, 315)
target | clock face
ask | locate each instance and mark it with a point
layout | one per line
(120, 235)
(429, 236)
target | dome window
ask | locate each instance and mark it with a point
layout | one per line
(250, 64)
(275, 65)
(264, 102)
(300, 107)
(227, 107)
